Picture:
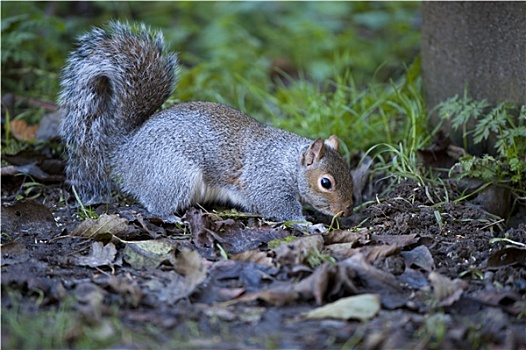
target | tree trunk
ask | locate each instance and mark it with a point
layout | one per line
(478, 46)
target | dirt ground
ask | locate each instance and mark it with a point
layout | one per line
(405, 271)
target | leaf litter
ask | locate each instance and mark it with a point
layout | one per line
(390, 282)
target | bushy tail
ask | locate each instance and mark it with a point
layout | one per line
(114, 80)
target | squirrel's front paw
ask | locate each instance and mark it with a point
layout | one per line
(172, 219)
(310, 228)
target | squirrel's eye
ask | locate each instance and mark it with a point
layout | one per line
(326, 183)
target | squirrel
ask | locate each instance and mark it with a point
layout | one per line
(113, 83)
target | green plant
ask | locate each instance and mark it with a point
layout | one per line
(30, 63)
(432, 333)
(508, 127)
(32, 190)
(84, 212)
(315, 258)
(26, 324)
(404, 133)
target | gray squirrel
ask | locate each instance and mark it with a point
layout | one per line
(193, 152)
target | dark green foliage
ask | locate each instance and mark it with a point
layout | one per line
(316, 68)
(508, 125)
(220, 41)
(32, 50)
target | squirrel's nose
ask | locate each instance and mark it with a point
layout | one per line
(348, 210)
(345, 211)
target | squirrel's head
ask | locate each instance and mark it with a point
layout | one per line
(327, 182)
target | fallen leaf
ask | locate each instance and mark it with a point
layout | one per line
(279, 296)
(90, 299)
(128, 288)
(153, 231)
(169, 286)
(103, 228)
(295, 252)
(227, 279)
(199, 224)
(99, 255)
(360, 237)
(150, 253)
(255, 256)
(370, 279)
(413, 278)
(32, 170)
(361, 307)
(400, 240)
(507, 257)
(229, 293)
(315, 286)
(373, 253)
(22, 131)
(419, 257)
(508, 300)
(447, 291)
(222, 313)
(190, 264)
(339, 251)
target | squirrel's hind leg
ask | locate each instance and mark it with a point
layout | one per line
(161, 189)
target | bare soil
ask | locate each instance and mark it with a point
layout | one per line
(221, 280)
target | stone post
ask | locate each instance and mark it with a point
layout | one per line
(480, 46)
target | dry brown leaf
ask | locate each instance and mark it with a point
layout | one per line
(295, 252)
(91, 300)
(22, 131)
(190, 265)
(103, 228)
(255, 256)
(128, 288)
(400, 240)
(379, 251)
(507, 257)
(315, 286)
(370, 279)
(229, 293)
(360, 237)
(277, 297)
(340, 251)
(28, 216)
(446, 290)
(166, 286)
(14, 253)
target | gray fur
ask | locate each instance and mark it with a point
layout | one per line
(195, 152)
(112, 83)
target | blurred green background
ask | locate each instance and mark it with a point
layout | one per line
(313, 67)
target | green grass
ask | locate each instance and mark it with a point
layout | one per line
(341, 57)
(25, 325)
(218, 42)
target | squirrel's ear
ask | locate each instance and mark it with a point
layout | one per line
(315, 152)
(333, 142)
